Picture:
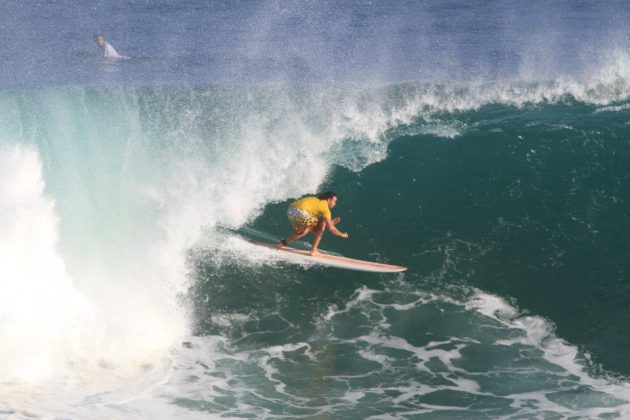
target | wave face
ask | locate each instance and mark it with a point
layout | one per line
(487, 192)
(484, 148)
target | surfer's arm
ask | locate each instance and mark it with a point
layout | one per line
(334, 230)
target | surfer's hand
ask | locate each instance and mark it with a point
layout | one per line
(344, 235)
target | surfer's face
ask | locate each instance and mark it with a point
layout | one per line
(332, 202)
(100, 41)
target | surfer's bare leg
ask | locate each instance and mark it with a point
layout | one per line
(292, 237)
(319, 232)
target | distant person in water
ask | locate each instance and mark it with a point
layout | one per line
(108, 51)
(312, 214)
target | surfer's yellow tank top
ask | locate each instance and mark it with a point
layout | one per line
(315, 206)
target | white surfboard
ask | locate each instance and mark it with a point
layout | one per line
(300, 255)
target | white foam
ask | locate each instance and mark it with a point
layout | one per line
(280, 145)
(60, 342)
(361, 295)
(41, 315)
(613, 108)
(226, 320)
(537, 333)
(540, 334)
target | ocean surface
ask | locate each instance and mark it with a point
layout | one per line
(485, 145)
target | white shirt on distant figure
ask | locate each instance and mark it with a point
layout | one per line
(108, 51)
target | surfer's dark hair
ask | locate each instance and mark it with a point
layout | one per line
(97, 34)
(327, 195)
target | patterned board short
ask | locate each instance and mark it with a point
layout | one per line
(301, 220)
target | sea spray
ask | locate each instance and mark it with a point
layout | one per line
(41, 314)
(140, 176)
(52, 325)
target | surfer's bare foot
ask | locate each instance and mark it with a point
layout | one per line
(282, 243)
(314, 253)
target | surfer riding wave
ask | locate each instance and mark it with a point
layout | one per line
(312, 214)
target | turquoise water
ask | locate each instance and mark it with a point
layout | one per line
(489, 160)
(523, 209)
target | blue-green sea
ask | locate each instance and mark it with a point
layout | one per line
(484, 145)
